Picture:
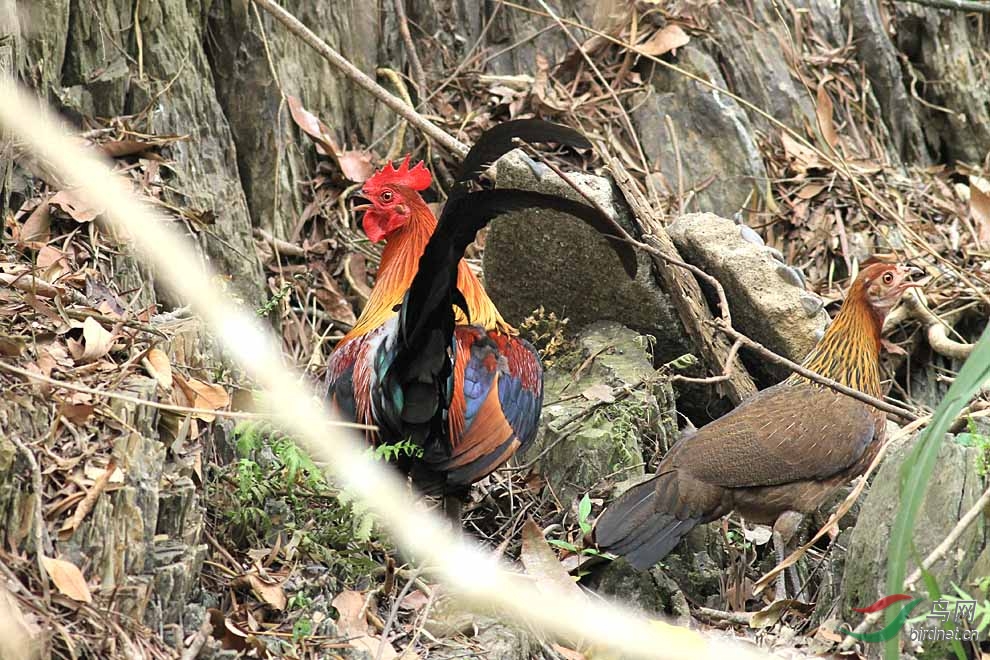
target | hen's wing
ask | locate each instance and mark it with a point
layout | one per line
(785, 434)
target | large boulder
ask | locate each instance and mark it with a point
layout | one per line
(544, 258)
(712, 133)
(767, 298)
(588, 432)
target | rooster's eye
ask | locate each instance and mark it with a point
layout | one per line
(888, 278)
(386, 196)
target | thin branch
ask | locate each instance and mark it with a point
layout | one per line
(419, 75)
(339, 62)
(120, 396)
(39, 515)
(815, 376)
(959, 5)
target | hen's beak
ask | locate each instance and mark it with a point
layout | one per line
(913, 273)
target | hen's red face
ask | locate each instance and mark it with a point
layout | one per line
(885, 283)
(392, 193)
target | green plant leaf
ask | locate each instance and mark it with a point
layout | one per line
(584, 512)
(566, 545)
(917, 469)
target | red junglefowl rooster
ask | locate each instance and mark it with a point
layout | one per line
(778, 454)
(430, 360)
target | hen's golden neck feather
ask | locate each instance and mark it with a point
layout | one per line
(849, 353)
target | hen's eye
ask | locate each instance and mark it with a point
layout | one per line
(387, 196)
(888, 278)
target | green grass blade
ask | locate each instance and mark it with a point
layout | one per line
(917, 469)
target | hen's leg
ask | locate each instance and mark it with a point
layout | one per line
(784, 531)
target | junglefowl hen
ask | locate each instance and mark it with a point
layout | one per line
(430, 360)
(783, 450)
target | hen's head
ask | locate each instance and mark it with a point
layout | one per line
(393, 193)
(881, 285)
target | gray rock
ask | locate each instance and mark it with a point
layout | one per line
(764, 305)
(954, 488)
(651, 591)
(546, 258)
(714, 136)
(609, 442)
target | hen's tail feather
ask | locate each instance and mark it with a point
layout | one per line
(637, 527)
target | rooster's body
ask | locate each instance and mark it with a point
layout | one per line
(431, 361)
(783, 450)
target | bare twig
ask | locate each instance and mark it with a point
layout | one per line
(120, 396)
(720, 616)
(815, 376)
(936, 329)
(283, 247)
(339, 62)
(39, 517)
(419, 75)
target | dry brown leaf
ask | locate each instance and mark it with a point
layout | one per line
(75, 207)
(802, 158)
(121, 148)
(824, 110)
(540, 562)
(270, 593)
(96, 342)
(196, 393)
(77, 413)
(809, 190)
(599, 392)
(159, 367)
(670, 38)
(375, 646)
(979, 210)
(68, 579)
(38, 225)
(568, 654)
(312, 126)
(52, 262)
(773, 612)
(356, 165)
(351, 619)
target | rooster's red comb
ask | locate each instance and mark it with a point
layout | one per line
(416, 177)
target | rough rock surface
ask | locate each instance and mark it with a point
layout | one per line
(609, 443)
(650, 591)
(954, 488)
(767, 301)
(719, 157)
(550, 259)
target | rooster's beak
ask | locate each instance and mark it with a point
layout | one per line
(359, 196)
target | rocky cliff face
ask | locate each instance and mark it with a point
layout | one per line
(904, 85)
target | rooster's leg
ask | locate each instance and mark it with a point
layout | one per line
(452, 504)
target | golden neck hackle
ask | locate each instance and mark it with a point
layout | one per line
(399, 264)
(849, 353)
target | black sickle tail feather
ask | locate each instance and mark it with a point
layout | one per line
(498, 141)
(417, 371)
(635, 527)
